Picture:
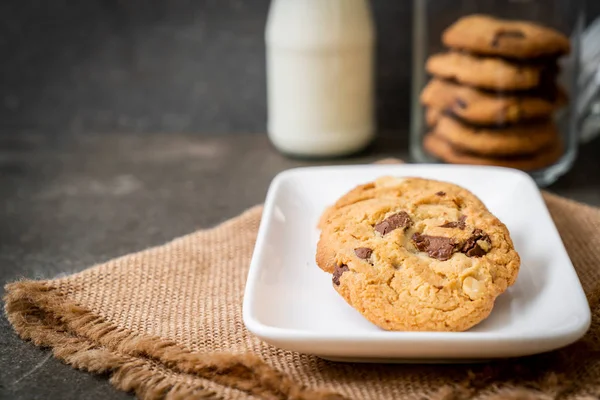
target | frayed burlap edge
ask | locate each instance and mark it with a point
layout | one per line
(148, 366)
(143, 365)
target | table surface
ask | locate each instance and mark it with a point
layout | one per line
(69, 201)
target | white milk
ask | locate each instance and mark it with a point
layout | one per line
(320, 76)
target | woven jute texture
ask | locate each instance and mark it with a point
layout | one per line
(167, 323)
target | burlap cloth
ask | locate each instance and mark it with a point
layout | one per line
(167, 323)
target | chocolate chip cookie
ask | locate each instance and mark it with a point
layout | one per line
(489, 73)
(415, 254)
(443, 150)
(505, 141)
(488, 108)
(486, 35)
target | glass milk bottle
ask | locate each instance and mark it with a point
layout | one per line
(320, 76)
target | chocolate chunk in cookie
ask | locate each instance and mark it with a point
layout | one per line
(460, 224)
(460, 103)
(363, 252)
(441, 193)
(400, 220)
(438, 247)
(337, 273)
(478, 244)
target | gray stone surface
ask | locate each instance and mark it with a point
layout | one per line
(70, 201)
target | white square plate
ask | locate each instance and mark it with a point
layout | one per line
(290, 303)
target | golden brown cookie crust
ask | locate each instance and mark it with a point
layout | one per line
(442, 149)
(393, 274)
(486, 35)
(487, 73)
(432, 116)
(511, 140)
(485, 108)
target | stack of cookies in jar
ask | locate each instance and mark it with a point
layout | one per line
(493, 94)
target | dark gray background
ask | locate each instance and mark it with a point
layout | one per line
(163, 66)
(194, 66)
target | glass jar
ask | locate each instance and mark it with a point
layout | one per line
(496, 82)
(320, 76)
